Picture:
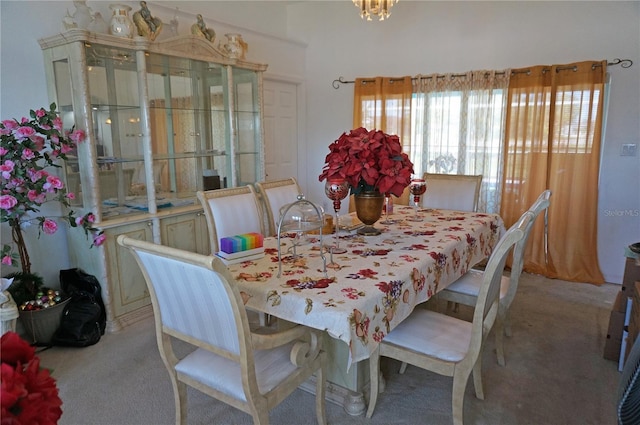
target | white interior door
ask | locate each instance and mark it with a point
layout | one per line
(280, 130)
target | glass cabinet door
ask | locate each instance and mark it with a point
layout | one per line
(247, 124)
(62, 80)
(189, 125)
(115, 107)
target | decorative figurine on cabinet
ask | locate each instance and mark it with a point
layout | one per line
(235, 47)
(200, 29)
(83, 14)
(98, 24)
(148, 26)
(81, 18)
(173, 24)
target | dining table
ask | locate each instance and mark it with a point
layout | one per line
(359, 296)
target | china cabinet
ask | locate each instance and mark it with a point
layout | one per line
(163, 119)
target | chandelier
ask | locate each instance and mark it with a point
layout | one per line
(380, 8)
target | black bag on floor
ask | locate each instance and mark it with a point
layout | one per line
(84, 319)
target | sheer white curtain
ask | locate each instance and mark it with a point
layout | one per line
(458, 128)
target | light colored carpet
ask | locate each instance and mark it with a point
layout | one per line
(555, 374)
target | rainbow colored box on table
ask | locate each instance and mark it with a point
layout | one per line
(240, 248)
(243, 242)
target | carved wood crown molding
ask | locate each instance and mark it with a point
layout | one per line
(189, 46)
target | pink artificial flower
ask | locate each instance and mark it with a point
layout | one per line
(77, 136)
(12, 184)
(57, 123)
(7, 168)
(27, 154)
(66, 149)
(7, 260)
(36, 197)
(3, 151)
(71, 195)
(24, 132)
(36, 175)
(10, 124)
(79, 221)
(99, 240)
(90, 217)
(41, 113)
(7, 202)
(38, 141)
(49, 226)
(53, 183)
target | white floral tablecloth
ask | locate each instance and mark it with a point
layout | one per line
(377, 283)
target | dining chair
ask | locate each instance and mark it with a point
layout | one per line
(194, 300)
(229, 212)
(447, 345)
(466, 289)
(452, 191)
(274, 195)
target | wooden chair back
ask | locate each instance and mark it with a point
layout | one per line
(274, 195)
(452, 191)
(231, 212)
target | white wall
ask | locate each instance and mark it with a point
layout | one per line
(420, 37)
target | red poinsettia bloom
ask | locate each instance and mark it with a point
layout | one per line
(28, 393)
(369, 160)
(15, 350)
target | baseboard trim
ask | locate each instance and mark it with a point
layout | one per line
(129, 318)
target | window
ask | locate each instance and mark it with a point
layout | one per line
(457, 128)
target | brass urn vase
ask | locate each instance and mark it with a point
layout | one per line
(369, 210)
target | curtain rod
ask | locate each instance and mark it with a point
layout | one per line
(624, 63)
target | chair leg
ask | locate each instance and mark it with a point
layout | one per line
(261, 416)
(180, 399)
(374, 372)
(403, 368)
(321, 377)
(500, 331)
(507, 323)
(457, 397)
(477, 377)
(451, 306)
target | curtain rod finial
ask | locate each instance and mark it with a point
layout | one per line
(624, 63)
(340, 80)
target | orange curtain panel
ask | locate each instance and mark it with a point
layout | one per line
(553, 136)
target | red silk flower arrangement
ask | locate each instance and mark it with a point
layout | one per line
(29, 394)
(369, 160)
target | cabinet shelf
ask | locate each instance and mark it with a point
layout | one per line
(110, 160)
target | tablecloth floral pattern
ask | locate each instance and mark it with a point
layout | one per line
(375, 285)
